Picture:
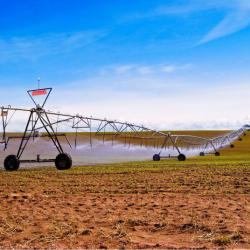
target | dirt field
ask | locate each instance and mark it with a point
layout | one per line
(202, 203)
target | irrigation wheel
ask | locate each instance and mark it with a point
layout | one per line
(11, 163)
(63, 161)
(156, 157)
(181, 157)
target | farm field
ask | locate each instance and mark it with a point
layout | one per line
(201, 203)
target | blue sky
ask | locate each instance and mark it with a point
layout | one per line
(172, 64)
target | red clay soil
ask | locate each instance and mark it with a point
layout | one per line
(40, 209)
(124, 221)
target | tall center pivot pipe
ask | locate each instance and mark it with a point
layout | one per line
(38, 115)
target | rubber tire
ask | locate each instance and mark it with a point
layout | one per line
(181, 157)
(202, 154)
(156, 157)
(217, 153)
(63, 161)
(11, 163)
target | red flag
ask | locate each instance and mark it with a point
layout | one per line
(39, 92)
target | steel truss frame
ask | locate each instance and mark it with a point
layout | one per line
(109, 130)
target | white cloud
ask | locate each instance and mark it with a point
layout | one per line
(187, 66)
(232, 23)
(138, 69)
(16, 48)
(168, 68)
(145, 70)
(121, 69)
(236, 15)
(196, 6)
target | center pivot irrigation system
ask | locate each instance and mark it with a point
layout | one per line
(43, 123)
